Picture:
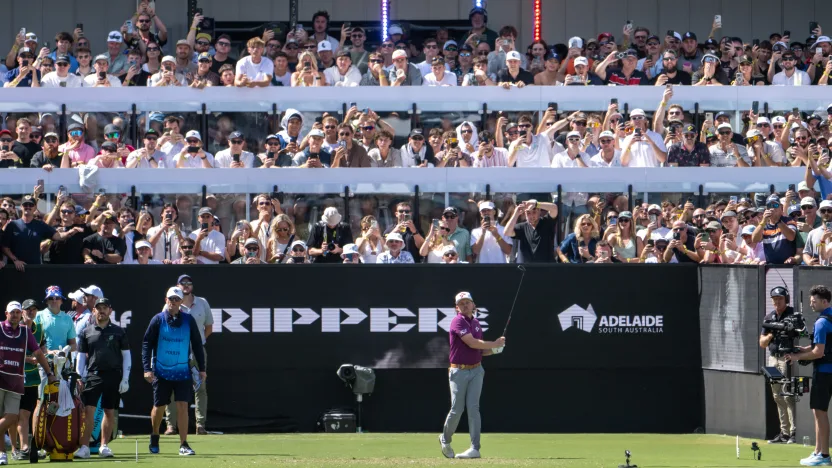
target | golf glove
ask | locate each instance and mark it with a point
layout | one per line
(497, 350)
(123, 386)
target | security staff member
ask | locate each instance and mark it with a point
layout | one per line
(104, 363)
(785, 405)
(821, 392)
(466, 374)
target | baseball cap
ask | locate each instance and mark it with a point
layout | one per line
(677, 35)
(80, 210)
(14, 305)
(802, 186)
(324, 46)
(710, 58)
(513, 55)
(234, 135)
(763, 120)
(753, 133)
(395, 29)
(205, 210)
(746, 59)
(205, 56)
(688, 129)
(394, 236)
(449, 248)
(109, 146)
(51, 134)
(92, 290)
(25, 50)
(689, 35)
(486, 205)
(576, 42)
(102, 301)
(175, 292)
(251, 241)
(102, 57)
(111, 128)
(53, 291)
(28, 200)
(606, 134)
(808, 201)
(168, 58)
(193, 134)
(450, 209)
(778, 119)
(820, 40)
(793, 209)
(463, 296)
(607, 36)
(300, 243)
(31, 37)
(316, 133)
(713, 225)
(183, 42)
(62, 59)
(28, 303)
(747, 231)
(773, 199)
(114, 36)
(143, 243)
(76, 296)
(273, 137)
(726, 214)
(826, 204)
(581, 61)
(183, 277)
(573, 133)
(724, 125)
(479, 10)
(654, 207)
(416, 132)
(399, 54)
(449, 43)
(636, 112)
(344, 53)
(625, 214)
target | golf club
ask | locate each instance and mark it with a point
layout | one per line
(523, 269)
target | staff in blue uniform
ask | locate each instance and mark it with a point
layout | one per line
(170, 338)
(821, 392)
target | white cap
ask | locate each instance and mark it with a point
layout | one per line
(747, 231)
(636, 112)
(581, 61)
(251, 241)
(394, 236)
(395, 29)
(576, 42)
(826, 204)
(513, 55)
(823, 39)
(677, 35)
(300, 243)
(175, 292)
(725, 125)
(399, 53)
(101, 57)
(168, 58)
(316, 133)
(653, 207)
(573, 133)
(762, 120)
(77, 296)
(462, 296)
(324, 45)
(31, 37)
(807, 200)
(486, 205)
(449, 248)
(194, 134)
(349, 249)
(753, 133)
(14, 305)
(114, 36)
(92, 290)
(143, 243)
(607, 134)
(449, 42)
(802, 186)
(778, 120)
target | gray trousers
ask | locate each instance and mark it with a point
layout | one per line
(466, 387)
(201, 398)
(785, 405)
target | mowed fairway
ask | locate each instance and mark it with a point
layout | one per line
(418, 450)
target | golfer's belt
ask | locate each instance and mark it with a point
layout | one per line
(465, 366)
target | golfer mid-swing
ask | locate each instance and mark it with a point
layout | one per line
(466, 374)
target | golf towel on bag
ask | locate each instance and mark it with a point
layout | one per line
(59, 435)
(65, 403)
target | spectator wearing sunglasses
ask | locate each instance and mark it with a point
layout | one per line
(68, 251)
(770, 152)
(582, 77)
(221, 56)
(777, 234)
(273, 157)
(627, 75)
(50, 156)
(688, 152)
(746, 68)
(818, 244)
(347, 152)
(251, 255)
(360, 56)
(489, 242)
(711, 73)
(327, 237)
(76, 151)
(192, 154)
(669, 73)
(431, 48)
(114, 134)
(61, 78)
(579, 246)
(201, 45)
(375, 74)
(681, 244)
(513, 74)
(26, 75)
(395, 253)
(433, 249)
(791, 75)
(534, 239)
(234, 156)
(403, 73)
(411, 235)
(642, 148)
(487, 154)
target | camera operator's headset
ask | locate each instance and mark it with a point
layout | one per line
(780, 291)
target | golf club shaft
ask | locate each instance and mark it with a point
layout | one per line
(516, 294)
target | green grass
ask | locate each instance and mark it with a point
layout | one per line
(422, 450)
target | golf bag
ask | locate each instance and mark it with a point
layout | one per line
(59, 435)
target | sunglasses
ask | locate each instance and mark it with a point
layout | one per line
(450, 254)
(67, 211)
(224, 44)
(236, 142)
(763, 125)
(299, 249)
(482, 52)
(203, 43)
(368, 128)
(466, 131)
(149, 49)
(6, 140)
(386, 46)
(450, 49)
(51, 140)
(445, 229)
(465, 54)
(606, 141)
(113, 135)
(282, 229)
(186, 283)
(431, 46)
(726, 133)
(252, 249)
(653, 44)
(449, 216)
(193, 141)
(573, 139)
(403, 211)
(825, 211)
(376, 61)
(623, 220)
(528, 125)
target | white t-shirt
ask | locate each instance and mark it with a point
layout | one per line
(642, 153)
(659, 233)
(92, 80)
(286, 79)
(448, 79)
(773, 150)
(335, 78)
(194, 161)
(52, 80)
(490, 252)
(426, 70)
(255, 71)
(213, 243)
(562, 159)
(167, 247)
(539, 154)
(798, 78)
(598, 160)
(223, 159)
(144, 163)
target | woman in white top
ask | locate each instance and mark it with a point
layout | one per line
(144, 255)
(622, 237)
(152, 58)
(307, 73)
(282, 236)
(434, 246)
(234, 248)
(370, 243)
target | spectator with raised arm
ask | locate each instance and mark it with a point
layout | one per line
(643, 148)
(192, 154)
(534, 239)
(777, 234)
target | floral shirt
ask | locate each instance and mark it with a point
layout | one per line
(678, 155)
(387, 257)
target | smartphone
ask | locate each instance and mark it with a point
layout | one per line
(169, 216)
(23, 32)
(203, 226)
(604, 254)
(270, 155)
(709, 116)
(733, 199)
(62, 193)
(552, 105)
(677, 235)
(651, 242)
(193, 149)
(46, 44)
(102, 75)
(435, 223)
(239, 225)
(638, 131)
(352, 104)
(319, 119)
(505, 42)
(669, 86)
(812, 26)
(79, 26)
(40, 185)
(755, 42)
(755, 106)
(25, 63)
(342, 143)
(801, 219)
(613, 221)
(486, 219)
(347, 24)
(653, 218)
(796, 112)
(819, 51)
(718, 20)
(235, 157)
(740, 79)
(829, 226)
(670, 32)
(311, 156)
(129, 24)
(792, 188)
(198, 11)
(614, 101)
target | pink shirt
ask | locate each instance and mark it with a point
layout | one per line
(499, 158)
(82, 155)
(461, 353)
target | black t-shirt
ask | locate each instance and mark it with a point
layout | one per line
(138, 80)
(503, 76)
(105, 245)
(70, 251)
(772, 317)
(681, 78)
(409, 241)
(680, 255)
(103, 346)
(535, 245)
(340, 235)
(40, 160)
(25, 151)
(216, 64)
(24, 239)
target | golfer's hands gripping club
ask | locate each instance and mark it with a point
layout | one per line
(500, 344)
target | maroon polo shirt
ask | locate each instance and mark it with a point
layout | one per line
(461, 353)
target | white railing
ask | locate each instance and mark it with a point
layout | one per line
(399, 180)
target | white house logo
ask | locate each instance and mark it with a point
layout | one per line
(585, 319)
(334, 320)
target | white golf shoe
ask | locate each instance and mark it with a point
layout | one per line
(4, 460)
(83, 452)
(470, 453)
(447, 450)
(105, 452)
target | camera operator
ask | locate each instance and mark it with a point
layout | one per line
(819, 298)
(785, 405)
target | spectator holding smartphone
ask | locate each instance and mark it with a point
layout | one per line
(209, 244)
(370, 244)
(437, 240)
(621, 236)
(816, 252)
(166, 237)
(579, 246)
(191, 155)
(534, 239)
(777, 234)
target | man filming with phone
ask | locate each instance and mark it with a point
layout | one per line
(101, 78)
(777, 234)
(192, 155)
(166, 236)
(234, 156)
(489, 242)
(347, 153)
